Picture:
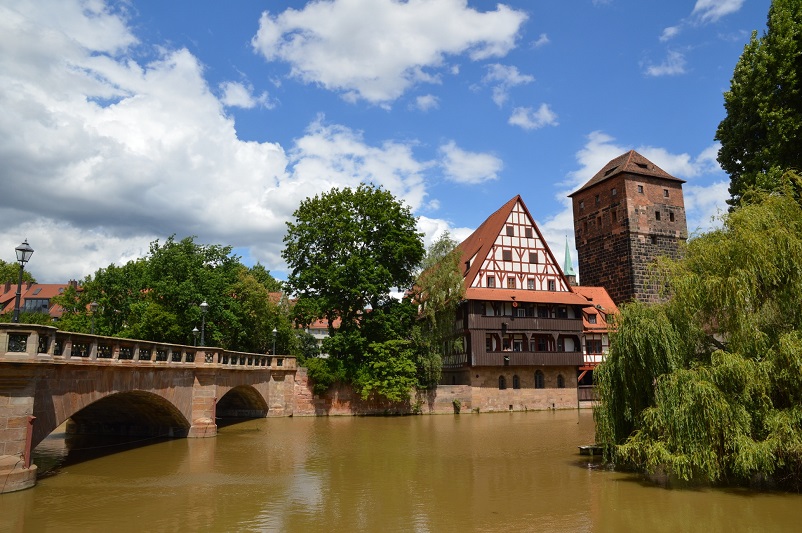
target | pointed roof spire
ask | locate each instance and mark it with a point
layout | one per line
(568, 264)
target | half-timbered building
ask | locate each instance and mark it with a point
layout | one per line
(521, 322)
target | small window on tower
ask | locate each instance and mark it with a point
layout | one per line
(582, 204)
(665, 193)
(613, 216)
(506, 255)
(613, 192)
(640, 189)
(510, 231)
(598, 221)
(597, 199)
(528, 233)
(657, 215)
(671, 217)
(510, 282)
(533, 257)
(491, 281)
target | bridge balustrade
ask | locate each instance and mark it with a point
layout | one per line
(36, 343)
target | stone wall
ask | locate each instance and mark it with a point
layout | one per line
(482, 395)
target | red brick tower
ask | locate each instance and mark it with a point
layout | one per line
(627, 215)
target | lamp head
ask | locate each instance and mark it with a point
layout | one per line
(24, 252)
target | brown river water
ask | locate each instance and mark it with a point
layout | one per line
(469, 472)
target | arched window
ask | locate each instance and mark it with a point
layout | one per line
(540, 382)
(560, 381)
(502, 383)
(516, 382)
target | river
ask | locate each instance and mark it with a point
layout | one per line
(469, 472)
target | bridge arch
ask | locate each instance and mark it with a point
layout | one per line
(242, 401)
(131, 413)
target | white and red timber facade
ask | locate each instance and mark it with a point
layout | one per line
(522, 323)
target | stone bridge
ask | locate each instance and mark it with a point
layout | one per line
(108, 385)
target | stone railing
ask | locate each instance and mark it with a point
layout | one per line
(34, 343)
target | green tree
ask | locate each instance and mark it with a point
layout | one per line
(706, 385)
(9, 273)
(438, 291)
(760, 136)
(347, 249)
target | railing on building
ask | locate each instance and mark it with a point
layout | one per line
(35, 343)
(478, 322)
(587, 393)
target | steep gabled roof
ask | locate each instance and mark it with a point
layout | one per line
(600, 303)
(479, 243)
(631, 163)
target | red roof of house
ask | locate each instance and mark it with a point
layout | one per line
(523, 295)
(8, 293)
(601, 305)
(632, 163)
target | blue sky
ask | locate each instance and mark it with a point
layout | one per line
(126, 122)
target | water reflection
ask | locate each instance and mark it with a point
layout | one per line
(488, 472)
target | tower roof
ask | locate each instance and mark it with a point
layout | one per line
(568, 264)
(631, 163)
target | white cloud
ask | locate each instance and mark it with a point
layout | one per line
(502, 77)
(376, 49)
(713, 10)
(426, 102)
(461, 166)
(102, 154)
(673, 65)
(543, 40)
(529, 119)
(669, 33)
(236, 94)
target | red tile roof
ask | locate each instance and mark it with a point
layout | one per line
(632, 163)
(523, 295)
(596, 296)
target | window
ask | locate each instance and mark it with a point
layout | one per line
(510, 231)
(506, 255)
(528, 233)
(653, 238)
(613, 192)
(657, 215)
(552, 285)
(598, 221)
(540, 381)
(491, 281)
(671, 217)
(36, 305)
(510, 282)
(613, 217)
(592, 318)
(640, 189)
(581, 205)
(593, 346)
(530, 284)
(516, 382)
(665, 193)
(502, 383)
(597, 199)
(533, 257)
(562, 311)
(585, 225)
(543, 311)
(560, 381)
(488, 342)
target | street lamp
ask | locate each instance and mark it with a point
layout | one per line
(204, 307)
(195, 335)
(24, 253)
(275, 332)
(93, 308)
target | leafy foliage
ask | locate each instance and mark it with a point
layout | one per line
(761, 132)
(9, 273)
(707, 385)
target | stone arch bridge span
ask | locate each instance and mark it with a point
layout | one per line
(108, 385)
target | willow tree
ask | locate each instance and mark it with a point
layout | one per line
(438, 290)
(708, 385)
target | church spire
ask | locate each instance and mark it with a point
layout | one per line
(568, 265)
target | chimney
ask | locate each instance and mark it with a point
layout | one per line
(28, 285)
(7, 287)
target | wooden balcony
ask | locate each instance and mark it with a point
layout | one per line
(528, 359)
(529, 324)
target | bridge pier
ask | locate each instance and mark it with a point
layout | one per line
(17, 385)
(204, 404)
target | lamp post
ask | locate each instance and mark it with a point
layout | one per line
(93, 308)
(275, 332)
(24, 253)
(195, 335)
(204, 307)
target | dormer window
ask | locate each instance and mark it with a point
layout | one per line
(592, 318)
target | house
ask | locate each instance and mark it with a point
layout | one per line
(35, 297)
(522, 324)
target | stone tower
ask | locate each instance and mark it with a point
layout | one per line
(627, 215)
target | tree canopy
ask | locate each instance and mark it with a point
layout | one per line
(760, 136)
(708, 385)
(9, 273)
(158, 298)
